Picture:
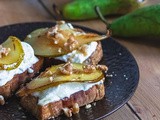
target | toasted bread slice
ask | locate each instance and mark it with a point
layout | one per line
(67, 105)
(96, 56)
(11, 86)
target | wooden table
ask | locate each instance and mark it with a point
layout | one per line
(145, 104)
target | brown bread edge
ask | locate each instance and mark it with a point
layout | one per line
(54, 109)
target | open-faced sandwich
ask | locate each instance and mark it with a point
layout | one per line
(17, 63)
(63, 89)
(65, 43)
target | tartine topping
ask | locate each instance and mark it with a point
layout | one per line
(4, 51)
(2, 101)
(64, 73)
(51, 78)
(65, 39)
(49, 73)
(60, 22)
(11, 53)
(89, 68)
(62, 35)
(74, 109)
(92, 68)
(59, 50)
(59, 36)
(71, 43)
(102, 67)
(66, 69)
(88, 106)
(83, 49)
(54, 35)
(51, 32)
(67, 112)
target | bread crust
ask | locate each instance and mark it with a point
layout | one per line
(54, 109)
(11, 86)
(96, 55)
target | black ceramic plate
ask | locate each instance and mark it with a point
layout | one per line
(119, 88)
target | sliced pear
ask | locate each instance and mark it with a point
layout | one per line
(36, 33)
(42, 45)
(52, 77)
(80, 76)
(45, 46)
(88, 37)
(14, 57)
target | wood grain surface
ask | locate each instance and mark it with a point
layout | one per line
(145, 104)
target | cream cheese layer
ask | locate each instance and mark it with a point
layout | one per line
(77, 56)
(62, 91)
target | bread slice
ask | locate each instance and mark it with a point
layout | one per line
(94, 59)
(67, 105)
(11, 86)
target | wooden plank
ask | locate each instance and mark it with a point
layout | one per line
(20, 11)
(146, 101)
(122, 114)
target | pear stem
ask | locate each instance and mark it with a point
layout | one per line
(46, 9)
(98, 12)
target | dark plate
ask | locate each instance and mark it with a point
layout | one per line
(119, 88)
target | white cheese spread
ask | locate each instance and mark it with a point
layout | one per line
(79, 57)
(2, 101)
(61, 91)
(27, 62)
(1, 97)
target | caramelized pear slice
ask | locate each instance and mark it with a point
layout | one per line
(45, 45)
(88, 37)
(15, 55)
(80, 76)
(42, 45)
(53, 77)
